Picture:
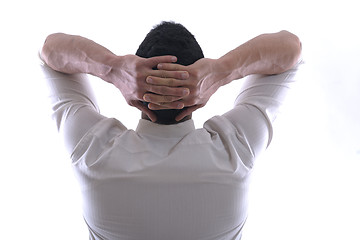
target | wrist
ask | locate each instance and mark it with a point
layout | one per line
(214, 75)
(227, 70)
(105, 67)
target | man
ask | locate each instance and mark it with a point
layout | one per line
(166, 179)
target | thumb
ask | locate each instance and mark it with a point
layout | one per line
(187, 112)
(145, 110)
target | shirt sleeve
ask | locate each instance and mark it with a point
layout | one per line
(74, 107)
(256, 108)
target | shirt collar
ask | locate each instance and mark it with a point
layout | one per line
(147, 127)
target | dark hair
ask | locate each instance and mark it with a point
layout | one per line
(169, 38)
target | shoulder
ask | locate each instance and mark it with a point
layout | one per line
(98, 137)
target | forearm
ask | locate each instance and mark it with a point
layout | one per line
(266, 54)
(74, 54)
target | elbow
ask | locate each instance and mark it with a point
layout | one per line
(292, 51)
(288, 49)
(47, 47)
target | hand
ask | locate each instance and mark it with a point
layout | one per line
(128, 74)
(203, 82)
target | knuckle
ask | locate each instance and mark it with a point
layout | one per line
(175, 92)
(150, 88)
(191, 101)
(139, 95)
(137, 67)
(171, 82)
(192, 85)
(195, 73)
(165, 91)
(155, 89)
(195, 92)
(162, 73)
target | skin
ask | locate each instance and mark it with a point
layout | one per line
(265, 54)
(75, 54)
(172, 86)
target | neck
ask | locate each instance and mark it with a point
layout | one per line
(144, 116)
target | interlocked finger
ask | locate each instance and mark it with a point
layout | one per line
(162, 81)
(168, 91)
(160, 59)
(161, 99)
(171, 67)
(181, 75)
(162, 106)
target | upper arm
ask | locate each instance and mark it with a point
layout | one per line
(73, 104)
(257, 106)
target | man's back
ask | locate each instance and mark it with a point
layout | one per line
(161, 182)
(167, 181)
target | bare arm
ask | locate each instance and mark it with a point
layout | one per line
(266, 54)
(75, 54)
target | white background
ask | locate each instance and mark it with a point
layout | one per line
(306, 186)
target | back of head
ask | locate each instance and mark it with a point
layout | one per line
(169, 38)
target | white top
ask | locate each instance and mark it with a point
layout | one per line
(164, 182)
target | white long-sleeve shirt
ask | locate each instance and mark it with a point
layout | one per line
(162, 182)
